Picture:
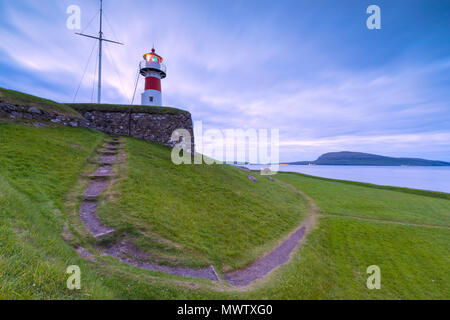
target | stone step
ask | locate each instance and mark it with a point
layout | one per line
(112, 146)
(95, 176)
(104, 234)
(90, 198)
(94, 189)
(103, 172)
(101, 176)
(90, 219)
(104, 162)
(108, 152)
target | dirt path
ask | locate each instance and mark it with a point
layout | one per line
(88, 209)
(124, 251)
(99, 181)
(281, 254)
(128, 253)
(88, 215)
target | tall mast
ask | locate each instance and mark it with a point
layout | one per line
(100, 39)
(100, 46)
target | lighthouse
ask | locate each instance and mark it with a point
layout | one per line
(153, 70)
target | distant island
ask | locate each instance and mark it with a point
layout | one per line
(366, 159)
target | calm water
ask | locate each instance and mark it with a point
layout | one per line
(427, 178)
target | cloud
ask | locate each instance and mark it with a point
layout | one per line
(234, 66)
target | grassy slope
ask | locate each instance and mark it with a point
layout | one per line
(23, 99)
(215, 213)
(38, 166)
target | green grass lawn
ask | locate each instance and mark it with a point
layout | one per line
(414, 259)
(195, 215)
(358, 199)
(414, 263)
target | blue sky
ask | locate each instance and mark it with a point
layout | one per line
(311, 69)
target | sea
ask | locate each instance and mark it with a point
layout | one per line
(425, 178)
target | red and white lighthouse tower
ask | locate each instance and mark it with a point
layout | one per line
(153, 70)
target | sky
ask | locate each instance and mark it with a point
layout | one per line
(311, 69)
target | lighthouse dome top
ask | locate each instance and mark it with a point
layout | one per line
(153, 57)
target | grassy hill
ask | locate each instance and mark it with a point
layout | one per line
(37, 168)
(197, 215)
(347, 158)
(215, 213)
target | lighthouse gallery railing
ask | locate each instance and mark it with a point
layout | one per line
(153, 65)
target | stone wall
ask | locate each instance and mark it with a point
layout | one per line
(157, 127)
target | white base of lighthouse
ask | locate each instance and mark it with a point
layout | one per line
(152, 98)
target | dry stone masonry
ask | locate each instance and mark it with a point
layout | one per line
(149, 126)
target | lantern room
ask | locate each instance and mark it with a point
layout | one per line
(153, 62)
(153, 57)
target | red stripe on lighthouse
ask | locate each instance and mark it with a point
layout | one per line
(152, 83)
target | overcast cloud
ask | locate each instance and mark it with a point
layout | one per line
(308, 68)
